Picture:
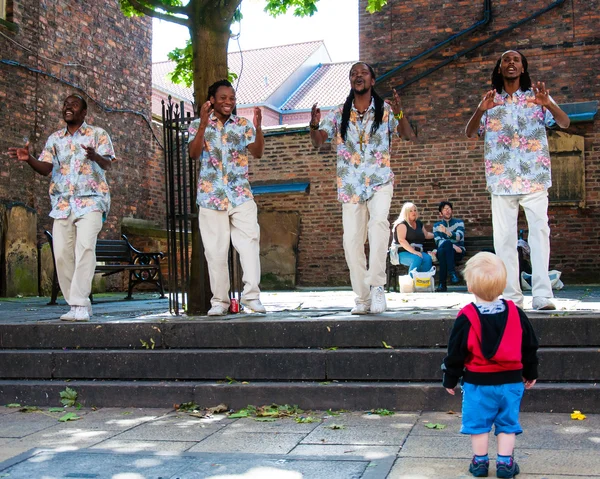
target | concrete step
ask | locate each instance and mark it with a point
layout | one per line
(430, 396)
(357, 364)
(554, 329)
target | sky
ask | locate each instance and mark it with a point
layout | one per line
(336, 23)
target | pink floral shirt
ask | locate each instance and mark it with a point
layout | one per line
(517, 159)
(78, 185)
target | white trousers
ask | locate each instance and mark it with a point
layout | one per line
(74, 243)
(216, 228)
(505, 212)
(359, 221)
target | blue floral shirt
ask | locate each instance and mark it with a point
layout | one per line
(78, 184)
(517, 159)
(223, 179)
(363, 160)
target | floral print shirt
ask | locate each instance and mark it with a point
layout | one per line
(223, 180)
(517, 159)
(78, 184)
(363, 160)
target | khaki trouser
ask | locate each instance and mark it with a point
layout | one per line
(74, 243)
(505, 212)
(216, 228)
(362, 220)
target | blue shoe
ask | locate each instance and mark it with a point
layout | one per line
(454, 278)
(479, 469)
(507, 470)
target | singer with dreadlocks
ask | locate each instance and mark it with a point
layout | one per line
(513, 118)
(362, 129)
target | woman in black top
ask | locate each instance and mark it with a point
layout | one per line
(409, 233)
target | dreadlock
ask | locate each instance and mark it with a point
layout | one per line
(212, 91)
(498, 80)
(350, 99)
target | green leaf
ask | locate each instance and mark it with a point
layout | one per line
(304, 420)
(432, 425)
(68, 397)
(239, 414)
(29, 409)
(56, 409)
(382, 412)
(330, 412)
(70, 416)
(386, 345)
(13, 405)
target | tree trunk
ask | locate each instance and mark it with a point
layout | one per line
(210, 37)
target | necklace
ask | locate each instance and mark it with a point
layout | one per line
(362, 128)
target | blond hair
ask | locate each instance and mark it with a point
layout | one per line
(485, 274)
(403, 216)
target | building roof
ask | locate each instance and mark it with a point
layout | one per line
(328, 86)
(261, 71)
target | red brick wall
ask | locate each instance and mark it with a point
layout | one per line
(115, 55)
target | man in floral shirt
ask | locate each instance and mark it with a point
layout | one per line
(77, 157)
(362, 130)
(513, 118)
(226, 208)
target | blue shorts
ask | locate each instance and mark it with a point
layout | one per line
(499, 405)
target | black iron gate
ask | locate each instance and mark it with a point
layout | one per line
(183, 240)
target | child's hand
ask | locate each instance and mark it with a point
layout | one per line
(451, 391)
(529, 384)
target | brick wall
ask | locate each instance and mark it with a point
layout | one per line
(562, 49)
(113, 60)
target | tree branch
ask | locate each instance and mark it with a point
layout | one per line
(161, 16)
(174, 9)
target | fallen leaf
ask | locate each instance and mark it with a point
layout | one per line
(450, 412)
(577, 416)
(265, 419)
(328, 329)
(386, 345)
(432, 425)
(56, 409)
(70, 416)
(29, 409)
(335, 427)
(14, 405)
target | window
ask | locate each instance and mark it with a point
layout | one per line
(568, 169)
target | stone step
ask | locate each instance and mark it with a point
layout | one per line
(358, 364)
(554, 329)
(429, 396)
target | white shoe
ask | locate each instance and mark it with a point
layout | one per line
(217, 310)
(254, 304)
(378, 304)
(361, 308)
(81, 314)
(89, 310)
(543, 304)
(70, 316)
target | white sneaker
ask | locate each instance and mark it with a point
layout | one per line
(81, 314)
(543, 304)
(217, 310)
(70, 316)
(361, 308)
(254, 304)
(89, 310)
(378, 304)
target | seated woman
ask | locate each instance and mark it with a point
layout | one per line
(410, 234)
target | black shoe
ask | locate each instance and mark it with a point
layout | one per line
(479, 469)
(507, 470)
(454, 278)
(441, 288)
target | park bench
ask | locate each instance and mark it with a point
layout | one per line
(473, 245)
(116, 256)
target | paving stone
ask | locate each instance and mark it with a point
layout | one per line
(114, 419)
(584, 463)
(249, 442)
(442, 446)
(98, 465)
(397, 420)
(385, 435)
(129, 446)
(412, 468)
(451, 421)
(280, 425)
(369, 452)
(24, 424)
(172, 428)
